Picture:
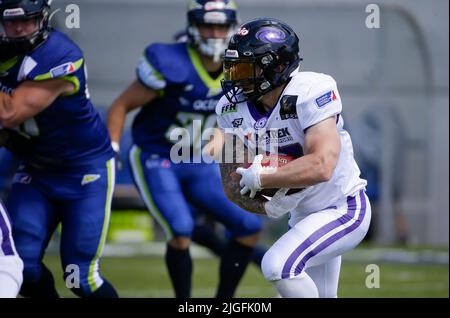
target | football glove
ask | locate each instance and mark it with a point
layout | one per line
(251, 176)
(15, 142)
(280, 204)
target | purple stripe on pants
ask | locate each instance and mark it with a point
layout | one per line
(6, 245)
(334, 237)
(351, 204)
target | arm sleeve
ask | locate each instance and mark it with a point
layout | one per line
(147, 70)
(68, 65)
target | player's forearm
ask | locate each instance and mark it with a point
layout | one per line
(232, 191)
(29, 99)
(116, 121)
(305, 171)
(7, 111)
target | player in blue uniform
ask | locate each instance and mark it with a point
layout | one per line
(177, 88)
(67, 170)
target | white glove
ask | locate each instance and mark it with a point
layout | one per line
(280, 204)
(251, 177)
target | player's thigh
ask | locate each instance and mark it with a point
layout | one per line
(318, 238)
(162, 193)
(33, 218)
(326, 277)
(7, 247)
(205, 190)
(84, 228)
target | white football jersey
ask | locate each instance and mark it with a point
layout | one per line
(308, 99)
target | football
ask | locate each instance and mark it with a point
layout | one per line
(269, 160)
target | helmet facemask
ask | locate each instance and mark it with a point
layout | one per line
(249, 78)
(212, 47)
(13, 46)
(212, 13)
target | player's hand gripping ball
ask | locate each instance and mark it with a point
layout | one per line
(269, 164)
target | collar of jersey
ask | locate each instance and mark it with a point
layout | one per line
(202, 72)
(5, 66)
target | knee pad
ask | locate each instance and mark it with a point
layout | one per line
(12, 266)
(272, 265)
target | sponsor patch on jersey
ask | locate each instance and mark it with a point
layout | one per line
(261, 123)
(237, 122)
(325, 99)
(62, 70)
(89, 178)
(228, 108)
(288, 109)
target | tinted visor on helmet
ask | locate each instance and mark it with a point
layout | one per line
(237, 70)
(240, 79)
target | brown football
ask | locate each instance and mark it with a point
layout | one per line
(273, 161)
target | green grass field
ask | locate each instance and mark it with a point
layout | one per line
(147, 277)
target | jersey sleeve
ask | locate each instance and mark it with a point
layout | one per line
(147, 70)
(59, 59)
(321, 102)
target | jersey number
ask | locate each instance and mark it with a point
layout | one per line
(192, 129)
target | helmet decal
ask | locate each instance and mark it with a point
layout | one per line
(271, 35)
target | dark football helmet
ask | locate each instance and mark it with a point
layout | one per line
(260, 57)
(11, 10)
(204, 12)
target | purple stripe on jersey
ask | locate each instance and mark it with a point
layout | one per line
(351, 204)
(6, 245)
(334, 237)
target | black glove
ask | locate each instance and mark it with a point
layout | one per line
(15, 142)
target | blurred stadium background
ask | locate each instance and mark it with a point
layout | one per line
(395, 87)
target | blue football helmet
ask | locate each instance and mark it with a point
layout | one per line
(11, 10)
(204, 12)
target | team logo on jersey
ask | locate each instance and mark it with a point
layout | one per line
(228, 108)
(325, 99)
(261, 123)
(63, 70)
(237, 122)
(89, 178)
(288, 109)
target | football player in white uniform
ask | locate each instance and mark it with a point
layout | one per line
(272, 108)
(11, 265)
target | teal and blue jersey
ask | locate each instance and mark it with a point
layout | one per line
(69, 132)
(188, 96)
